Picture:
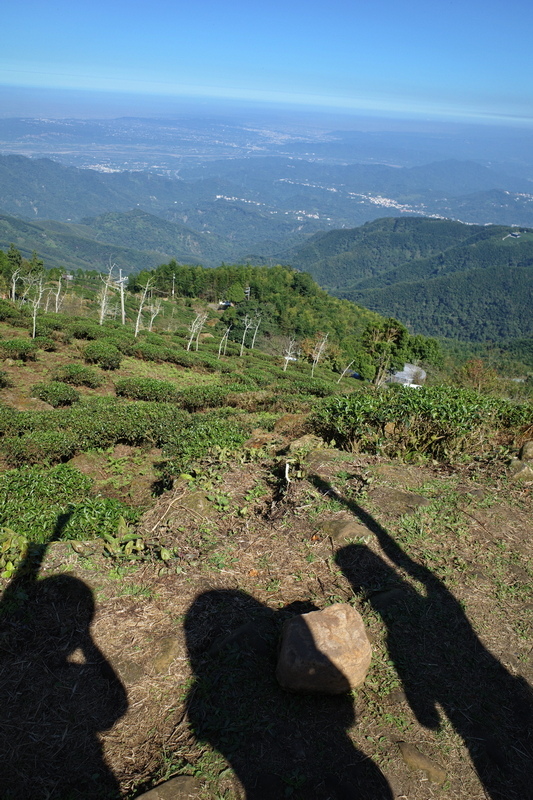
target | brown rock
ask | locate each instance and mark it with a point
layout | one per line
(521, 471)
(397, 502)
(184, 787)
(417, 760)
(291, 423)
(197, 502)
(526, 451)
(166, 650)
(260, 439)
(306, 444)
(324, 651)
(342, 531)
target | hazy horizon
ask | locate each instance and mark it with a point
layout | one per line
(463, 63)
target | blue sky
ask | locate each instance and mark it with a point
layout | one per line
(458, 60)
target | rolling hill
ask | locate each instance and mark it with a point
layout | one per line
(441, 278)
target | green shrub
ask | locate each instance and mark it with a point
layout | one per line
(18, 349)
(103, 353)
(148, 352)
(55, 393)
(49, 323)
(40, 447)
(146, 389)
(78, 375)
(196, 398)
(315, 387)
(86, 329)
(45, 343)
(103, 422)
(39, 502)
(203, 434)
(440, 421)
(11, 313)
(123, 341)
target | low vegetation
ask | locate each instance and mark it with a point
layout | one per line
(154, 474)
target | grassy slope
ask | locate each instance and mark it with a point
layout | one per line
(246, 547)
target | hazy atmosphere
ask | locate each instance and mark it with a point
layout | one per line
(452, 60)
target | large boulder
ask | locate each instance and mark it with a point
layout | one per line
(324, 651)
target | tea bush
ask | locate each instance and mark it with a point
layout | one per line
(40, 447)
(203, 434)
(86, 329)
(103, 353)
(146, 389)
(197, 398)
(50, 323)
(55, 393)
(442, 421)
(305, 385)
(18, 349)
(45, 343)
(78, 375)
(12, 314)
(52, 436)
(41, 502)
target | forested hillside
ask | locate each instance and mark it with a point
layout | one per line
(439, 277)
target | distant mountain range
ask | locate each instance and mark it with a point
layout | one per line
(439, 276)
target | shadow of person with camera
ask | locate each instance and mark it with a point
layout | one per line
(278, 744)
(58, 691)
(444, 667)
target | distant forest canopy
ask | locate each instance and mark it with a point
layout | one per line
(441, 278)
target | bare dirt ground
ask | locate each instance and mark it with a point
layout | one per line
(122, 673)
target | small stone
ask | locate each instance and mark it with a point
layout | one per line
(324, 651)
(130, 672)
(167, 650)
(343, 531)
(526, 451)
(417, 760)
(183, 787)
(306, 444)
(197, 502)
(398, 696)
(396, 501)
(521, 471)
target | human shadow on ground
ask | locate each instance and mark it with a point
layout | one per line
(57, 690)
(279, 744)
(443, 665)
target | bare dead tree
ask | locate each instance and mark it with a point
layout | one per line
(14, 279)
(319, 350)
(195, 328)
(223, 342)
(248, 323)
(289, 353)
(154, 309)
(121, 281)
(57, 295)
(257, 320)
(138, 321)
(345, 371)
(34, 291)
(104, 295)
(48, 296)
